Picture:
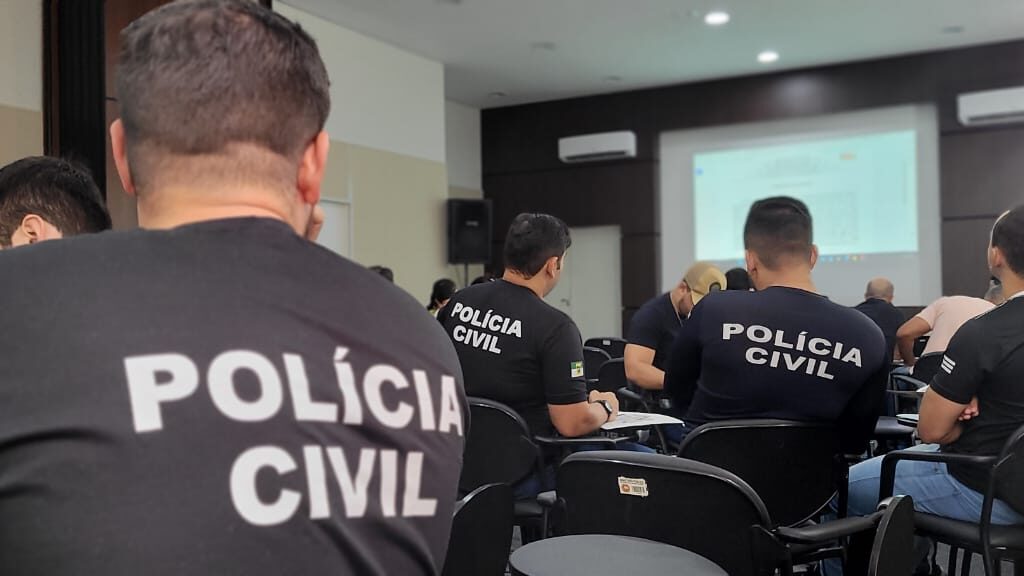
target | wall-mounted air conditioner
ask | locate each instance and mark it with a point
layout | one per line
(989, 107)
(594, 147)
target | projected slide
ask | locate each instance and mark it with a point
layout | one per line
(861, 191)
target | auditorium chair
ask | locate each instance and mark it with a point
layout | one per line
(710, 511)
(615, 347)
(994, 542)
(481, 534)
(593, 359)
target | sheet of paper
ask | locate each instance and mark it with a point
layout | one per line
(639, 420)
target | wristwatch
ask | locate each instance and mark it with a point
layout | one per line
(607, 407)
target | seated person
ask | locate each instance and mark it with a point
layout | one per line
(517, 349)
(973, 405)
(213, 393)
(783, 351)
(738, 279)
(877, 305)
(654, 327)
(45, 198)
(440, 293)
(942, 318)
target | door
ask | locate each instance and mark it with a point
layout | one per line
(590, 290)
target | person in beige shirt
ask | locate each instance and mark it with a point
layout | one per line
(942, 318)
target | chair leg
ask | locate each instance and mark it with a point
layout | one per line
(1018, 567)
(951, 564)
(965, 564)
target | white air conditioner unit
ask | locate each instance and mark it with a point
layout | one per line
(595, 147)
(991, 107)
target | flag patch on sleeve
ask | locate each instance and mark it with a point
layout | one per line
(576, 369)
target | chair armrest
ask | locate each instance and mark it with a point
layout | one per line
(547, 499)
(628, 394)
(917, 384)
(889, 461)
(612, 443)
(828, 531)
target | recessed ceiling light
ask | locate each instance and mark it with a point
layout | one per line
(544, 46)
(497, 94)
(767, 57)
(613, 79)
(952, 29)
(716, 18)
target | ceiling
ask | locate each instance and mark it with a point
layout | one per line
(532, 50)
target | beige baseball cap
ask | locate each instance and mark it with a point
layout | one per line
(703, 278)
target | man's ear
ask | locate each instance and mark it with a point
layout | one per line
(814, 255)
(996, 259)
(120, 154)
(34, 229)
(312, 166)
(753, 264)
(553, 265)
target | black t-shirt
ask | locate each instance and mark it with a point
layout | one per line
(220, 398)
(516, 349)
(985, 358)
(655, 326)
(887, 317)
(780, 353)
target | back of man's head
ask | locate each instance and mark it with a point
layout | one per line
(202, 78)
(738, 279)
(53, 191)
(1008, 238)
(532, 240)
(880, 288)
(779, 231)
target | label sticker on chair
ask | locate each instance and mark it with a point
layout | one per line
(633, 486)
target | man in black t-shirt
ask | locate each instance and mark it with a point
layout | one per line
(215, 394)
(877, 305)
(46, 198)
(975, 402)
(517, 349)
(655, 325)
(783, 351)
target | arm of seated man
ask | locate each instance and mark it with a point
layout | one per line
(908, 333)
(582, 418)
(640, 370)
(952, 396)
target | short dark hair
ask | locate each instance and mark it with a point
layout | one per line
(442, 290)
(1008, 236)
(737, 279)
(777, 229)
(195, 76)
(56, 190)
(384, 271)
(532, 239)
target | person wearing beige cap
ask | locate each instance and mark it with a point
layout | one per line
(654, 326)
(784, 351)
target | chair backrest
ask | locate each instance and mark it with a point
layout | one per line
(1008, 472)
(611, 376)
(615, 347)
(672, 500)
(593, 359)
(499, 448)
(892, 553)
(927, 366)
(481, 533)
(920, 344)
(790, 465)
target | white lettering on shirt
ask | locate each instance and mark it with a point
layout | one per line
(788, 353)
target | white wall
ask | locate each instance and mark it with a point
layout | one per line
(382, 97)
(462, 141)
(21, 54)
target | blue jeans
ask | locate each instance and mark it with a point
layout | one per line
(545, 480)
(932, 487)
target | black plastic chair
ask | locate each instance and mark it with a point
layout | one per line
(615, 347)
(481, 534)
(593, 359)
(794, 467)
(994, 542)
(688, 504)
(927, 366)
(892, 552)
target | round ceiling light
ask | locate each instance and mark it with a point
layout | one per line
(767, 57)
(716, 18)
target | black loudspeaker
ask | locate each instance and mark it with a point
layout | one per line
(469, 231)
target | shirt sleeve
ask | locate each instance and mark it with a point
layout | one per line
(562, 366)
(963, 367)
(682, 371)
(931, 312)
(643, 329)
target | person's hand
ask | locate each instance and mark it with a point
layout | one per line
(970, 411)
(316, 223)
(610, 398)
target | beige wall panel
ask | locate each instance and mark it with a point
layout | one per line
(21, 133)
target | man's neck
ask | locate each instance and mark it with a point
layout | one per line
(676, 297)
(1012, 285)
(170, 209)
(800, 279)
(533, 283)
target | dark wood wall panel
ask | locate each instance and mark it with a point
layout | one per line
(982, 172)
(964, 255)
(981, 168)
